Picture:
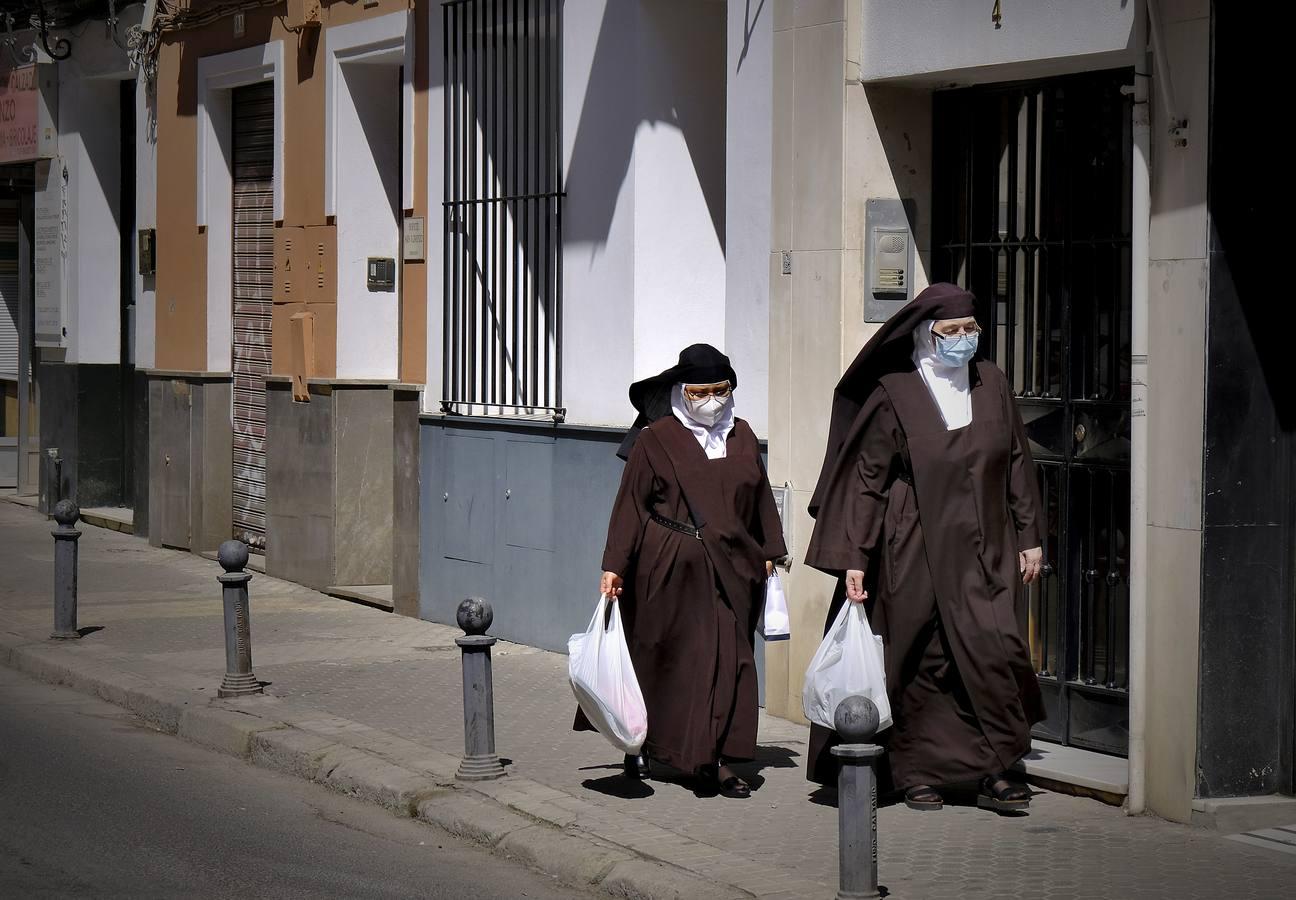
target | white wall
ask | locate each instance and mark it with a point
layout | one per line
(90, 146)
(145, 217)
(368, 219)
(644, 158)
(679, 157)
(599, 126)
(940, 40)
(749, 241)
(644, 149)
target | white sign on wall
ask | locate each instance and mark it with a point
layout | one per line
(50, 250)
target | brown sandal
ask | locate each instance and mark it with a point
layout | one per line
(1001, 795)
(923, 797)
(729, 786)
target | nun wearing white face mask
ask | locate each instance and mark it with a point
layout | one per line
(692, 530)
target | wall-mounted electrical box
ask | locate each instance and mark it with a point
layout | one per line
(147, 252)
(305, 264)
(382, 274)
(888, 258)
(303, 14)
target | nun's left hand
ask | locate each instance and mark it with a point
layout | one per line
(1030, 562)
(769, 568)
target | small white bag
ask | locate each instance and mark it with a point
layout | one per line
(849, 661)
(774, 623)
(604, 682)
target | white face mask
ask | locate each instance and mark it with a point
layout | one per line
(706, 410)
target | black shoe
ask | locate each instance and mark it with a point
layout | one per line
(729, 786)
(923, 797)
(1002, 795)
(636, 767)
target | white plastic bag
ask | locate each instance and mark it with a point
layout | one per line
(603, 679)
(774, 622)
(849, 661)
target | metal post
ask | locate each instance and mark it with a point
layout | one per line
(856, 719)
(65, 571)
(239, 680)
(480, 763)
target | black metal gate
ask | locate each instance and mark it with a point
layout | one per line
(503, 232)
(1031, 211)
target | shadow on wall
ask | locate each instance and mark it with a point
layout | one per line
(908, 148)
(659, 64)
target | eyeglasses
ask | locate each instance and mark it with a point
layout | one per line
(957, 330)
(701, 393)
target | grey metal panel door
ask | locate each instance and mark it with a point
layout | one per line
(531, 520)
(465, 521)
(253, 277)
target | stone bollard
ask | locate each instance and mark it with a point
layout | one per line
(65, 571)
(856, 719)
(480, 762)
(239, 680)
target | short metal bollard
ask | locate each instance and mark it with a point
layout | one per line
(65, 571)
(239, 680)
(856, 719)
(480, 763)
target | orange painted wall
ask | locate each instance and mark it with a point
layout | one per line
(182, 247)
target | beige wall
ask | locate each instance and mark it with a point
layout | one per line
(1177, 291)
(837, 143)
(182, 247)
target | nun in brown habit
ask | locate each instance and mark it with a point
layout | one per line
(693, 526)
(926, 510)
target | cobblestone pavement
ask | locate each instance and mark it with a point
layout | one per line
(160, 617)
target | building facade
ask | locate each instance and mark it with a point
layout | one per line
(289, 333)
(1065, 164)
(364, 284)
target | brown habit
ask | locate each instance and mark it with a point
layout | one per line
(935, 519)
(690, 606)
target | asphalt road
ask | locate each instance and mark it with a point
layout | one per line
(93, 803)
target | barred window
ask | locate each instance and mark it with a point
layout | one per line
(502, 351)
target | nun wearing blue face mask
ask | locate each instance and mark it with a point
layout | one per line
(927, 511)
(693, 527)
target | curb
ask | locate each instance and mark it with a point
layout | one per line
(424, 788)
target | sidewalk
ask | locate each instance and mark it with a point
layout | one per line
(370, 703)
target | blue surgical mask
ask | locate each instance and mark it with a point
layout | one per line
(957, 350)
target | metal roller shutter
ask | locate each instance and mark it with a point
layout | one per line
(8, 289)
(253, 275)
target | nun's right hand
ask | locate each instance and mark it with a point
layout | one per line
(855, 592)
(610, 585)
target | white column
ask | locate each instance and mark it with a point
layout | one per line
(749, 140)
(90, 147)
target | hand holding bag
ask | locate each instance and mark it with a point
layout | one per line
(849, 661)
(603, 679)
(774, 621)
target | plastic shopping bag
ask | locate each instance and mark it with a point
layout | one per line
(774, 622)
(603, 679)
(849, 661)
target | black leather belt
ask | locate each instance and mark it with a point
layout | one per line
(677, 526)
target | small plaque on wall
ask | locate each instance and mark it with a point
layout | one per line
(415, 239)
